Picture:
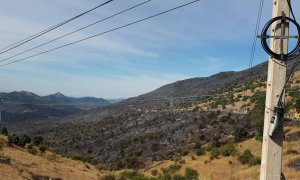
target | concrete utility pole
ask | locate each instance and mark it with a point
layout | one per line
(272, 146)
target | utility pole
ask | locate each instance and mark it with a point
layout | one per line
(272, 146)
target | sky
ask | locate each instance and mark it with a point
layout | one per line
(199, 40)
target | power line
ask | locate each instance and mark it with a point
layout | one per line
(291, 9)
(102, 20)
(256, 33)
(105, 32)
(26, 40)
(253, 49)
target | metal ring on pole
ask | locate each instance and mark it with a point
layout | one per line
(264, 36)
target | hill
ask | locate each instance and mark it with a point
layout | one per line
(22, 163)
(138, 130)
(25, 163)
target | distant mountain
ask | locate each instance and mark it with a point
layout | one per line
(53, 99)
(113, 101)
(21, 106)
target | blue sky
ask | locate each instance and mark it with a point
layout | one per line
(196, 41)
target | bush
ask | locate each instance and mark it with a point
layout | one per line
(240, 134)
(37, 140)
(42, 148)
(255, 161)
(228, 149)
(215, 153)
(200, 152)
(248, 158)
(4, 131)
(191, 174)
(24, 140)
(13, 139)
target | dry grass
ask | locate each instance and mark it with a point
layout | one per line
(229, 167)
(25, 165)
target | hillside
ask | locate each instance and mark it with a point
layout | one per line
(198, 86)
(20, 163)
(23, 163)
(134, 132)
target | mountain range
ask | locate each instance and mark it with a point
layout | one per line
(21, 106)
(53, 99)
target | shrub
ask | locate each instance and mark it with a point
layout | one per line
(24, 140)
(4, 131)
(248, 158)
(42, 148)
(255, 161)
(215, 153)
(191, 174)
(37, 140)
(13, 139)
(228, 149)
(240, 134)
(200, 151)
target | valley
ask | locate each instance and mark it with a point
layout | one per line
(137, 133)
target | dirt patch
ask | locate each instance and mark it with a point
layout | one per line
(293, 137)
(296, 165)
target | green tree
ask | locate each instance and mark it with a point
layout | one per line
(24, 140)
(4, 131)
(37, 140)
(13, 139)
(240, 133)
(42, 148)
